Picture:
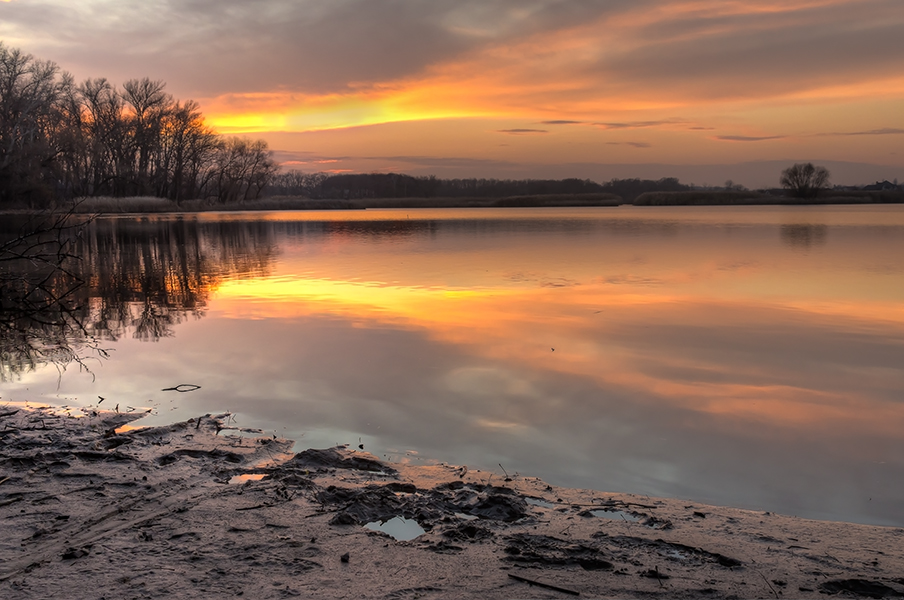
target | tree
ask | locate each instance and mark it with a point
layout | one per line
(804, 180)
(242, 168)
(59, 141)
(30, 91)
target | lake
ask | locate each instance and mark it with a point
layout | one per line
(742, 356)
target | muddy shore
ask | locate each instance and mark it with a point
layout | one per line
(93, 506)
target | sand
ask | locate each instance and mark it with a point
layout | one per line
(93, 507)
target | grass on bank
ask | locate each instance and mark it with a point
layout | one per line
(143, 204)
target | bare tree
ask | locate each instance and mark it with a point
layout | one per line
(804, 180)
(59, 141)
(242, 169)
(150, 106)
(29, 94)
(188, 145)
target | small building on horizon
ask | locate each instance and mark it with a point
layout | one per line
(882, 186)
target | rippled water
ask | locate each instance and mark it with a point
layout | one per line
(748, 356)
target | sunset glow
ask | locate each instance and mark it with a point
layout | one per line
(549, 89)
(489, 324)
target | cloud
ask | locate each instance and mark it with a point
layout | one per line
(748, 138)
(883, 131)
(521, 131)
(212, 47)
(582, 47)
(305, 158)
(632, 144)
(434, 161)
(664, 66)
(639, 124)
(578, 56)
(313, 161)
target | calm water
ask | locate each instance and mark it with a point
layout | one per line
(751, 357)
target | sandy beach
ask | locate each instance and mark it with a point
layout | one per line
(94, 506)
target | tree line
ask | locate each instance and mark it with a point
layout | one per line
(395, 185)
(63, 140)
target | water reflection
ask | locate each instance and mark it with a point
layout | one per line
(691, 352)
(133, 276)
(804, 235)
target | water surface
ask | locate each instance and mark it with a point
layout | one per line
(746, 356)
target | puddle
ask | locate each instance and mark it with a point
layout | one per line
(400, 528)
(616, 515)
(538, 502)
(247, 477)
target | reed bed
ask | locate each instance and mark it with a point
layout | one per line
(109, 205)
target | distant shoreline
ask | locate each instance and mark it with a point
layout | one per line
(140, 205)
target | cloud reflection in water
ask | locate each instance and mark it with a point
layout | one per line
(700, 353)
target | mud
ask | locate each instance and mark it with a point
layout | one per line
(91, 508)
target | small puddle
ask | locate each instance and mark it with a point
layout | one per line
(616, 515)
(538, 502)
(400, 528)
(247, 477)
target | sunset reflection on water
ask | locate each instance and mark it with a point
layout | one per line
(746, 356)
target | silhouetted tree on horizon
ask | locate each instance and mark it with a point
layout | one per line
(804, 180)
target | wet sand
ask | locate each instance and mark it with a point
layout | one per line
(94, 508)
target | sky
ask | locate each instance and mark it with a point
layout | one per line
(704, 90)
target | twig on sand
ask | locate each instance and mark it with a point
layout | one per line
(767, 583)
(548, 586)
(189, 387)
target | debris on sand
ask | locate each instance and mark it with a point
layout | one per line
(93, 503)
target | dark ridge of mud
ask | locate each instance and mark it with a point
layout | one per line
(332, 458)
(357, 506)
(681, 552)
(546, 550)
(468, 532)
(168, 459)
(860, 587)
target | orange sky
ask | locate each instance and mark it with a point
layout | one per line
(513, 89)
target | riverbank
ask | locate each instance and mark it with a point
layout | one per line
(93, 507)
(144, 205)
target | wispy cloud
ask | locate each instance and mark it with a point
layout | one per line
(632, 144)
(748, 138)
(433, 161)
(639, 124)
(522, 131)
(883, 131)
